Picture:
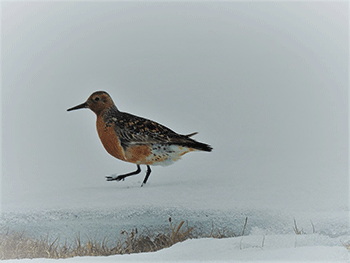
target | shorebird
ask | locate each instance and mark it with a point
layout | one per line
(135, 139)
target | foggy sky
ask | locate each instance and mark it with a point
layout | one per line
(262, 77)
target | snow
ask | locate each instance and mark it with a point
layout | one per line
(286, 248)
(104, 209)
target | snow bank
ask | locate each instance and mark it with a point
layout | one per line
(286, 248)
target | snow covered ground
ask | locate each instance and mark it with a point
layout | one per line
(105, 209)
(254, 248)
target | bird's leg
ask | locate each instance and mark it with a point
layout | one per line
(147, 175)
(122, 177)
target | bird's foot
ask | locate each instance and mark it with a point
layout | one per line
(115, 178)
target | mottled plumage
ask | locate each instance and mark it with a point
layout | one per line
(135, 139)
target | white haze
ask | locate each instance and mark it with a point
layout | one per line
(264, 83)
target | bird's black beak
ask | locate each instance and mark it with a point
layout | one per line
(80, 106)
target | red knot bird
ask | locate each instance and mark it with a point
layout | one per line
(135, 139)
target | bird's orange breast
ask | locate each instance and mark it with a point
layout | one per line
(133, 153)
(109, 139)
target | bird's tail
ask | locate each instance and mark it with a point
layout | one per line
(188, 142)
(201, 146)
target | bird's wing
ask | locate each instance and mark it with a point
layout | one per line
(136, 130)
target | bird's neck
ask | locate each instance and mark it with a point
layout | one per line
(112, 110)
(108, 114)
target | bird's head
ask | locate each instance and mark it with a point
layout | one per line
(97, 102)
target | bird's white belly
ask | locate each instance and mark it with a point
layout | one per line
(166, 154)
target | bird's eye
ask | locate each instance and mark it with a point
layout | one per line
(96, 99)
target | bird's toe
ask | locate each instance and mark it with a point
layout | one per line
(115, 178)
(110, 178)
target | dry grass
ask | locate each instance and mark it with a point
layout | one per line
(347, 245)
(15, 245)
(296, 229)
